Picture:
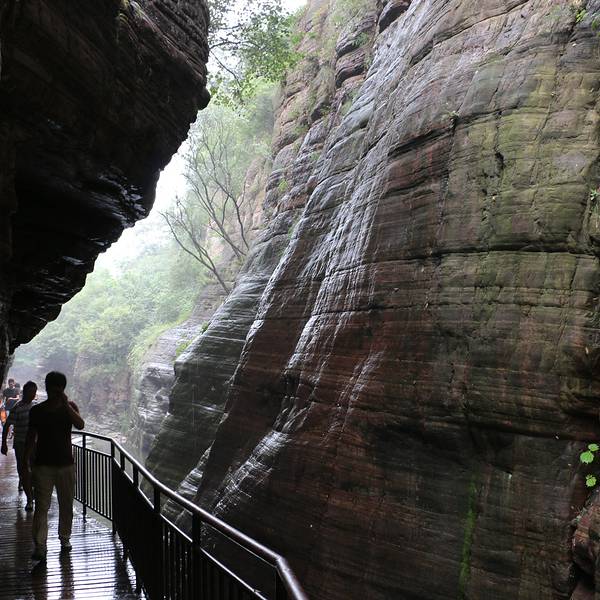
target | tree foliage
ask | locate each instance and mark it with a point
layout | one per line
(105, 321)
(250, 42)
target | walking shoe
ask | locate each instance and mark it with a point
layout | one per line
(38, 554)
(29, 506)
(65, 545)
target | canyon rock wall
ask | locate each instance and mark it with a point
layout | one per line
(191, 407)
(406, 413)
(94, 100)
(153, 381)
(312, 103)
(103, 398)
(395, 394)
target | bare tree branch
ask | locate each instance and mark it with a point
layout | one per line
(215, 169)
(176, 221)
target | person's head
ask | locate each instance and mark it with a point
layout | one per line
(29, 391)
(55, 382)
(11, 383)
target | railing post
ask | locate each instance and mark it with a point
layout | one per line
(84, 474)
(121, 463)
(112, 487)
(196, 556)
(160, 593)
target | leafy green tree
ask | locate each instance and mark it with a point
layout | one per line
(250, 41)
(106, 320)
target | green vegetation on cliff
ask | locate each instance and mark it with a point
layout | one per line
(469, 530)
(210, 222)
(117, 315)
(103, 335)
(108, 327)
(250, 42)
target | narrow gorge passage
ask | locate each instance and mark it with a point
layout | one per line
(361, 323)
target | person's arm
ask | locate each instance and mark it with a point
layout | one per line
(73, 412)
(5, 429)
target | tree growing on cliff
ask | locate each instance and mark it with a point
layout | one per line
(249, 41)
(192, 237)
(221, 146)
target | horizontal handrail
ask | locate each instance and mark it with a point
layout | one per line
(278, 562)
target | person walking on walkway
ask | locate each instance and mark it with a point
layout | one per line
(49, 440)
(10, 395)
(10, 391)
(19, 420)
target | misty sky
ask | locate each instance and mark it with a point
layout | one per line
(293, 4)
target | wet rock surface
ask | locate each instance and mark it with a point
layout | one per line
(154, 379)
(204, 373)
(392, 9)
(94, 100)
(406, 413)
(395, 394)
(103, 399)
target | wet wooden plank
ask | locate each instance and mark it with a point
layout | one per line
(93, 570)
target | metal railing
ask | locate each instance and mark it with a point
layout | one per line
(169, 563)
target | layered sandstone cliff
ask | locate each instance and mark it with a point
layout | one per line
(310, 106)
(408, 401)
(95, 97)
(185, 413)
(153, 380)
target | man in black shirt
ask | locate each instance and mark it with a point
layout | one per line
(49, 440)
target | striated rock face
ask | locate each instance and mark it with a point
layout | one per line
(154, 379)
(309, 107)
(392, 9)
(94, 99)
(192, 408)
(104, 399)
(586, 548)
(409, 402)
(204, 371)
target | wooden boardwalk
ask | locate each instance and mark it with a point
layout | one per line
(93, 570)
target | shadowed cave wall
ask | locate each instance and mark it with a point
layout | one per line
(95, 97)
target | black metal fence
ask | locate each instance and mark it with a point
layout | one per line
(169, 563)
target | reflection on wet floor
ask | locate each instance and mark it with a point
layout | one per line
(93, 569)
